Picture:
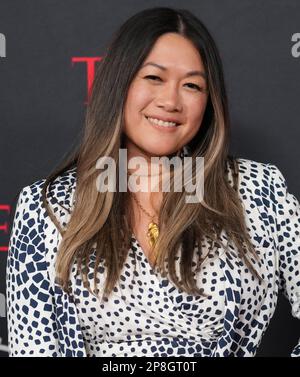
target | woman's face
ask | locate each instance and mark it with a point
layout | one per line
(166, 93)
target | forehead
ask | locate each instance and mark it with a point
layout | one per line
(175, 51)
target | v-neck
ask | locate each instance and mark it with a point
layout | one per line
(146, 260)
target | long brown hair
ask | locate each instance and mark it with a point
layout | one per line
(103, 221)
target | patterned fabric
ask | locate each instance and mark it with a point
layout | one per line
(147, 315)
(45, 321)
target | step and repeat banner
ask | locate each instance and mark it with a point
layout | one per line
(49, 50)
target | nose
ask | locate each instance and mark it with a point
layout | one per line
(169, 98)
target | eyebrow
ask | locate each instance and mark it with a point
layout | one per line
(188, 74)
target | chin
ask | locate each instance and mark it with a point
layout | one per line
(160, 153)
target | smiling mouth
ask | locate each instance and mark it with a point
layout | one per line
(176, 125)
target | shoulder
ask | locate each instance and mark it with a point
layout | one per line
(258, 174)
(59, 192)
(252, 170)
(261, 182)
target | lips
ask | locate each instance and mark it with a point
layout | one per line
(164, 120)
(162, 129)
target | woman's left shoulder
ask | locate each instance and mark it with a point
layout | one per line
(254, 179)
(258, 173)
(254, 168)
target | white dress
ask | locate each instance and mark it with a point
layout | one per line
(147, 315)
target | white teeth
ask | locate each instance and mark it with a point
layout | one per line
(162, 123)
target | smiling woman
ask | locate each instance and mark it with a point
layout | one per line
(172, 92)
(169, 277)
(166, 101)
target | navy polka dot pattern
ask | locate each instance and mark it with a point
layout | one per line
(147, 315)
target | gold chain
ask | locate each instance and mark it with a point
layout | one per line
(153, 229)
(139, 204)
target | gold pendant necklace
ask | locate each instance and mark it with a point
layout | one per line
(153, 233)
(153, 229)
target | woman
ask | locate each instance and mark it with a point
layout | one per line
(168, 277)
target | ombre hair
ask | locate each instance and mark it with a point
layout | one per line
(102, 222)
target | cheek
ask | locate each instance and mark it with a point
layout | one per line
(137, 100)
(195, 117)
(197, 111)
(138, 97)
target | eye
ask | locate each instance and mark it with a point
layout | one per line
(151, 77)
(195, 86)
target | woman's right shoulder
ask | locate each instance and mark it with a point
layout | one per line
(59, 192)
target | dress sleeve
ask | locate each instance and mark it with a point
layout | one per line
(287, 209)
(31, 319)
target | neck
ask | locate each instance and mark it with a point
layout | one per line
(150, 169)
